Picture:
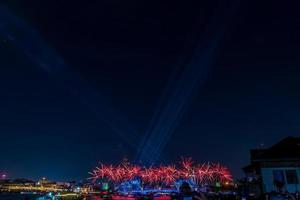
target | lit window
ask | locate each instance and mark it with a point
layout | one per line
(278, 177)
(291, 177)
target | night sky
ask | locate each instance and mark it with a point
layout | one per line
(125, 53)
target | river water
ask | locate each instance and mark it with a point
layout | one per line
(18, 196)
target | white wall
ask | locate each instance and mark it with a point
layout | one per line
(267, 178)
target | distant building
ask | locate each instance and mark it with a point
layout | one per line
(280, 162)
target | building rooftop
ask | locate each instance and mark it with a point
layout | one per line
(286, 149)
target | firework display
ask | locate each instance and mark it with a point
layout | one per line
(205, 173)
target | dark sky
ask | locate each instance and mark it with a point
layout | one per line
(125, 52)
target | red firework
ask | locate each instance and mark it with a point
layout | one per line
(200, 173)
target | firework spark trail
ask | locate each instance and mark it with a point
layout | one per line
(28, 41)
(167, 175)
